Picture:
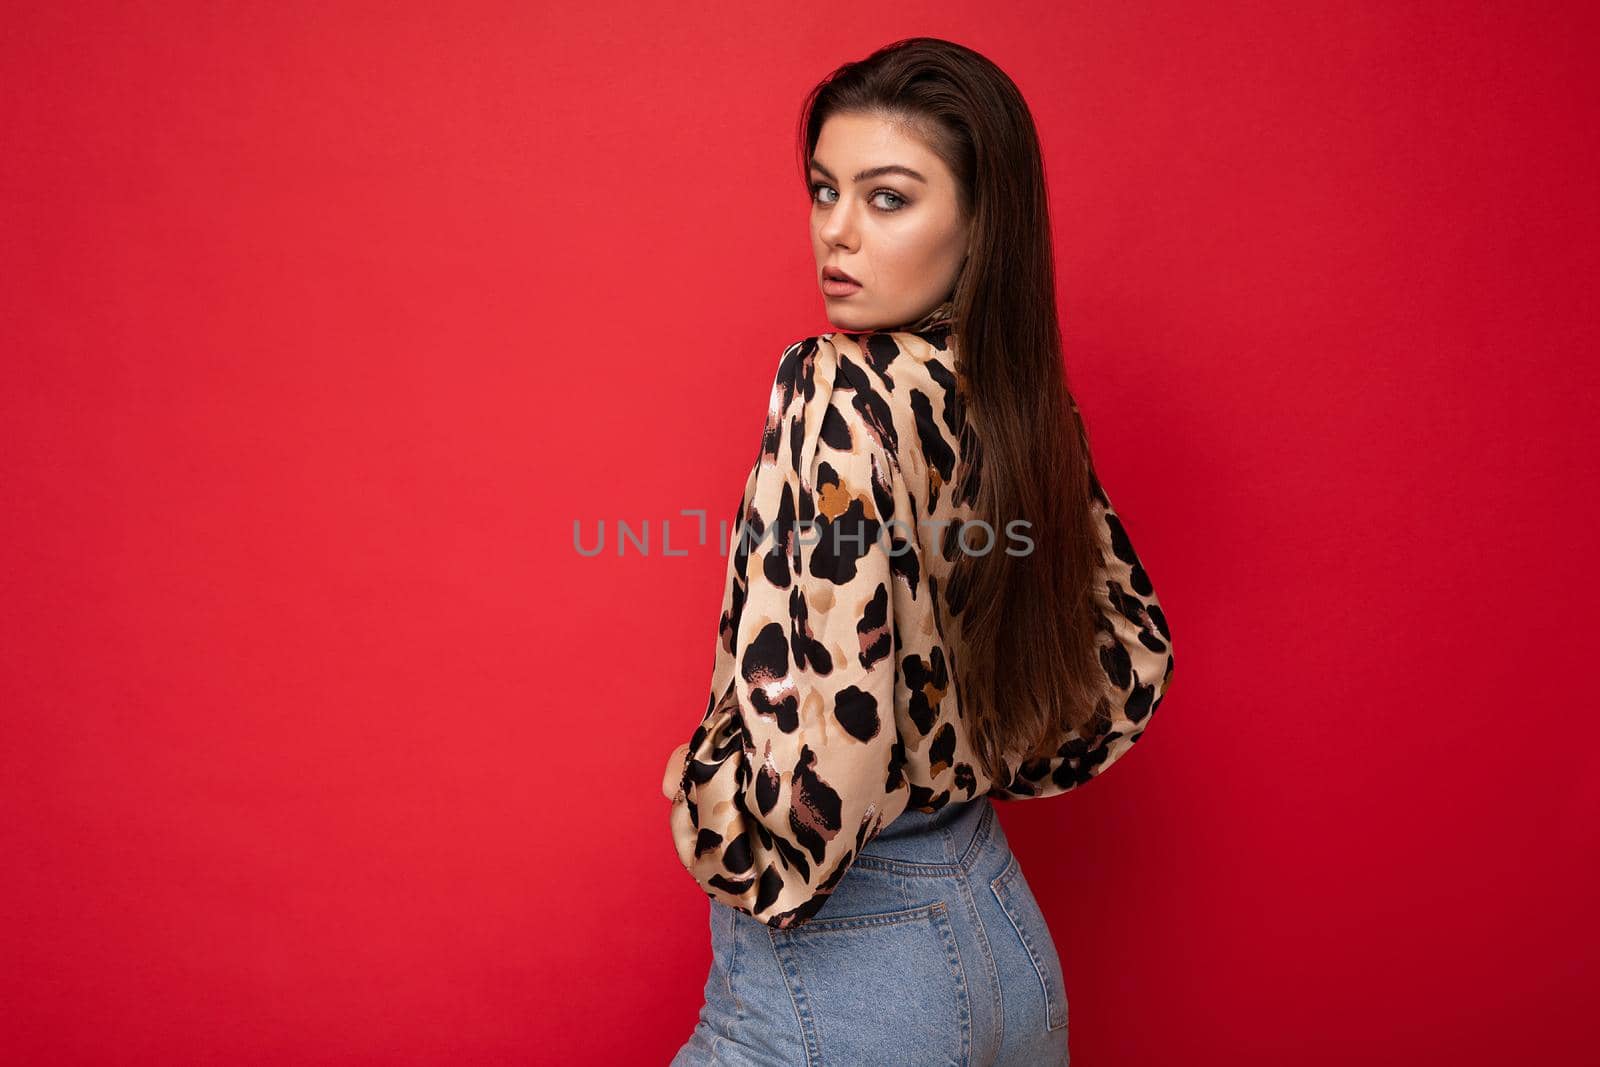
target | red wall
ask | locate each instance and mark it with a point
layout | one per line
(322, 744)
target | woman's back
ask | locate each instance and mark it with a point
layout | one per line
(834, 705)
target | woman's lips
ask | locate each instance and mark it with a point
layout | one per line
(835, 287)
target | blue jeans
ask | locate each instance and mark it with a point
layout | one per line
(932, 950)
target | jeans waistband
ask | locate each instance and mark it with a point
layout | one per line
(934, 844)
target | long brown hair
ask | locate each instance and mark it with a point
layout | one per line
(1029, 671)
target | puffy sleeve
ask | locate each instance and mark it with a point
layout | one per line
(796, 763)
(1135, 650)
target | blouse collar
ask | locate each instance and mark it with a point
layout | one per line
(943, 315)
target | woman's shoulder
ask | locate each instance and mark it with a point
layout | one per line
(893, 362)
(895, 389)
(922, 343)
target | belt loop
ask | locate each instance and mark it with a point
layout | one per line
(980, 834)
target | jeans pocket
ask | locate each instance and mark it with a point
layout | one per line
(1016, 900)
(864, 984)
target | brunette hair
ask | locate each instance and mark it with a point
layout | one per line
(1029, 670)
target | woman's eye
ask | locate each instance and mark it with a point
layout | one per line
(896, 201)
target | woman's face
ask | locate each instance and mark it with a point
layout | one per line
(886, 211)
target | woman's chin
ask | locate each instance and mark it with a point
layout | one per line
(846, 316)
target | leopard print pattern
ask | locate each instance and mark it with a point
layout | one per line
(833, 707)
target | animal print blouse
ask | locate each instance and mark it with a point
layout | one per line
(833, 708)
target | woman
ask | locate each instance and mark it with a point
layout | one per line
(910, 626)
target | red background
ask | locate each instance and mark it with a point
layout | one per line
(322, 324)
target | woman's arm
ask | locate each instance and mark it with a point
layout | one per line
(796, 761)
(1136, 661)
(674, 772)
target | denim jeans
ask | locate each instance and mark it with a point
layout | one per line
(931, 950)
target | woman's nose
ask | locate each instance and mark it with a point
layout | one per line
(840, 227)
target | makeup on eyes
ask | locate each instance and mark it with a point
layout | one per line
(901, 200)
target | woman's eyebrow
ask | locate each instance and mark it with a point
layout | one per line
(872, 172)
